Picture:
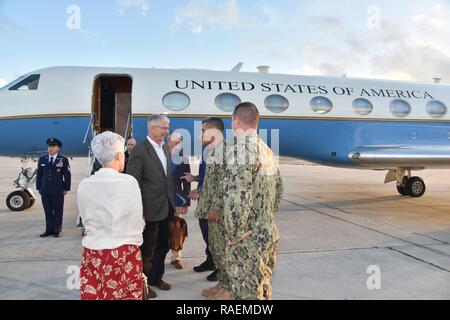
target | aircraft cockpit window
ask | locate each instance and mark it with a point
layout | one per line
(400, 108)
(276, 103)
(362, 106)
(436, 109)
(321, 105)
(29, 83)
(227, 101)
(176, 101)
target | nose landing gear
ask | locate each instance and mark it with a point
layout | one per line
(23, 198)
(20, 200)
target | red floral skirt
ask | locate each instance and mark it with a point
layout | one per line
(111, 274)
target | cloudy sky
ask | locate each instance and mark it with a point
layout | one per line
(405, 39)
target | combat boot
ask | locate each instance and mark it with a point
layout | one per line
(212, 291)
(222, 294)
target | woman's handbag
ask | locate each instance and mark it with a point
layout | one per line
(178, 233)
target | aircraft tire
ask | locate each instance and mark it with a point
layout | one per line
(18, 201)
(416, 187)
(402, 190)
(32, 199)
(32, 202)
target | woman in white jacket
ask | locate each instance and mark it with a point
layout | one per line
(110, 206)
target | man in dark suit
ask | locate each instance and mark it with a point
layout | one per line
(150, 164)
(131, 143)
(53, 182)
(182, 188)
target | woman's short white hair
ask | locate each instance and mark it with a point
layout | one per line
(106, 146)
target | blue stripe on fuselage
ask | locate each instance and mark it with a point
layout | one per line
(28, 136)
(322, 141)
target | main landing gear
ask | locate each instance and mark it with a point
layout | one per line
(410, 186)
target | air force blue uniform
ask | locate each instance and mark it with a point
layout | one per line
(53, 179)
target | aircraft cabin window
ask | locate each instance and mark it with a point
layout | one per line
(362, 106)
(29, 83)
(227, 101)
(321, 105)
(436, 109)
(400, 108)
(276, 103)
(176, 101)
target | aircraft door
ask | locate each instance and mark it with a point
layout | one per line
(112, 104)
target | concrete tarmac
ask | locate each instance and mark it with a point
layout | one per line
(345, 235)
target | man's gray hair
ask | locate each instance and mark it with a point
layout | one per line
(156, 120)
(106, 145)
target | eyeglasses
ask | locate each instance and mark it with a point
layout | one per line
(163, 128)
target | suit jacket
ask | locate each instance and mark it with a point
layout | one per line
(156, 188)
(182, 187)
(53, 178)
(127, 157)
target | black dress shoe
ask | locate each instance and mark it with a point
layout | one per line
(151, 294)
(205, 266)
(57, 235)
(213, 276)
(46, 234)
(161, 285)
